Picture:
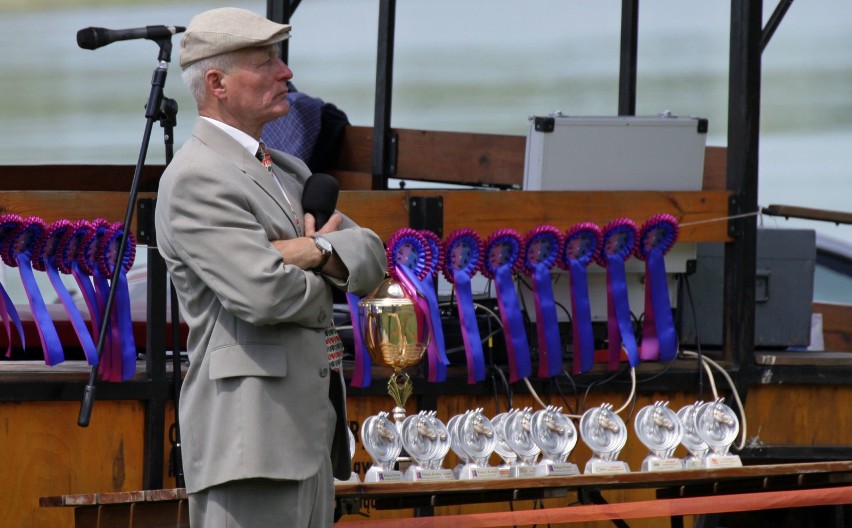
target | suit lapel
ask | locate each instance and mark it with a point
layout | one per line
(225, 146)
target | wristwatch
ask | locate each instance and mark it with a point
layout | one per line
(325, 248)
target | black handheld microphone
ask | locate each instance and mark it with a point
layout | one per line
(93, 37)
(319, 197)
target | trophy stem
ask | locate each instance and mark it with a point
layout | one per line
(400, 388)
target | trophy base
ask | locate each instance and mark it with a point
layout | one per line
(694, 462)
(606, 467)
(522, 471)
(416, 473)
(353, 479)
(655, 463)
(474, 472)
(549, 468)
(722, 461)
(377, 474)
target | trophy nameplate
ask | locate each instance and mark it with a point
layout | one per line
(604, 432)
(382, 441)
(718, 425)
(426, 440)
(693, 443)
(661, 430)
(476, 437)
(556, 436)
(517, 431)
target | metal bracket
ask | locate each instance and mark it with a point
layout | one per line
(145, 231)
(427, 212)
(734, 230)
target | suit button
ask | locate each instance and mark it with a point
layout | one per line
(323, 372)
(322, 317)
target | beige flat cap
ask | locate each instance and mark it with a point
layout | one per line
(227, 29)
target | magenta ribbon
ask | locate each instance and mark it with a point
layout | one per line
(17, 251)
(659, 338)
(437, 345)
(110, 367)
(8, 224)
(541, 251)
(362, 374)
(619, 239)
(502, 259)
(107, 257)
(582, 246)
(462, 260)
(46, 258)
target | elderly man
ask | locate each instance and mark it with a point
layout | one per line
(254, 278)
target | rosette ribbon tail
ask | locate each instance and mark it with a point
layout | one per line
(107, 368)
(77, 322)
(659, 324)
(362, 375)
(581, 319)
(91, 298)
(10, 314)
(517, 345)
(413, 287)
(620, 325)
(125, 327)
(437, 349)
(469, 328)
(547, 325)
(51, 346)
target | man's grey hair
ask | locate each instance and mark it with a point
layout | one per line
(193, 75)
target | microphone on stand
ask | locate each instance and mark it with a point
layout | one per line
(94, 37)
(319, 197)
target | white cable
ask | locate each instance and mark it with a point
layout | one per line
(632, 390)
(743, 422)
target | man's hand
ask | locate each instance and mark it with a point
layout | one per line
(303, 253)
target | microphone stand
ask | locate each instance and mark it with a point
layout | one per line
(155, 110)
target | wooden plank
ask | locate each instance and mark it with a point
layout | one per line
(77, 177)
(487, 211)
(70, 205)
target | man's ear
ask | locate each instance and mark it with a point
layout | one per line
(216, 83)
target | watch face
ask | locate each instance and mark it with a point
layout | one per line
(323, 244)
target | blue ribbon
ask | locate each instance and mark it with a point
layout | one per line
(438, 370)
(8, 311)
(547, 323)
(660, 305)
(619, 307)
(77, 321)
(581, 318)
(470, 328)
(50, 343)
(520, 365)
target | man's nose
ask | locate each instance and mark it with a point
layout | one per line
(286, 73)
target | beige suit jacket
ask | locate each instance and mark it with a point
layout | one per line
(254, 401)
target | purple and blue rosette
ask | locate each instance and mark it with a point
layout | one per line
(87, 259)
(659, 338)
(17, 251)
(8, 224)
(410, 261)
(69, 264)
(582, 247)
(502, 260)
(619, 239)
(462, 259)
(47, 257)
(542, 248)
(108, 259)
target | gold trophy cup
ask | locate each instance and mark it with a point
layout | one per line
(395, 335)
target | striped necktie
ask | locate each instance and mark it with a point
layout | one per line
(262, 156)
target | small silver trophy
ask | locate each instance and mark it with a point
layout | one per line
(476, 437)
(502, 449)
(353, 478)
(382, 441)
(717, 425)
(605, 434)
(426, 439)
(660, 429)
(693, 443)
(519, 438)
(556, 435)
(464, 458)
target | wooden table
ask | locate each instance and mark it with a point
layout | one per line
(679, 493)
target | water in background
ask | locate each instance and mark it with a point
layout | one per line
(463, 65)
